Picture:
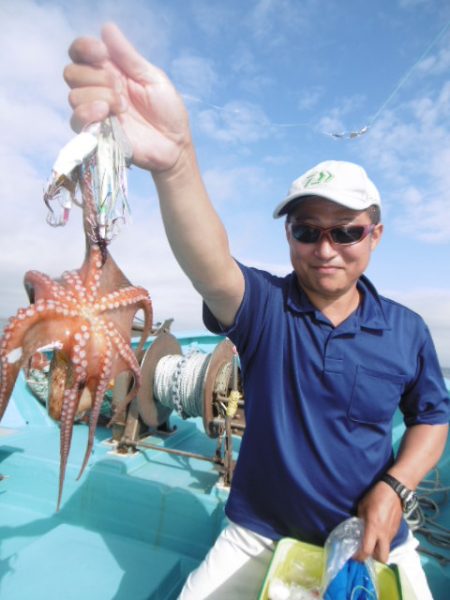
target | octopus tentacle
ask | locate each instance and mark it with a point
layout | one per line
(123, 297)
(126, 297)
(21, 339)
(94, 264)
(130, 359)
(86, 317)
(126, 353)
(72, 281)
(39, 284)
(102, 385)
(69, 409)
(146, 306)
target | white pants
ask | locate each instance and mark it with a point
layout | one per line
(235, 567)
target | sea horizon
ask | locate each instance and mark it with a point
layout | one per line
(445, 368)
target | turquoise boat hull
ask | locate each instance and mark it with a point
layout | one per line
(133, 526)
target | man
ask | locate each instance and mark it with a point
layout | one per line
(326, 361)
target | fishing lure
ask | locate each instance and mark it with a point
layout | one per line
(103, 149)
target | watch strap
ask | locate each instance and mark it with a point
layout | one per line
(407, 497)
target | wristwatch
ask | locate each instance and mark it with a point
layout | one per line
(407, 497)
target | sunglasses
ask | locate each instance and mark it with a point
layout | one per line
(343, 236)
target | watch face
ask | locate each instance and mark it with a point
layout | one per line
(410, 502)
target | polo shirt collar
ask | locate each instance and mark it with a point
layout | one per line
(369, 315)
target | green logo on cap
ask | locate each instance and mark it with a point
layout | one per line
(317, 178)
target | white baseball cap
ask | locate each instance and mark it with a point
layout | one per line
(342, 182)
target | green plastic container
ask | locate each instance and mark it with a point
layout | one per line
(302, 564)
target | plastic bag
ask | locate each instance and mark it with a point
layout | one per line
(344, 577)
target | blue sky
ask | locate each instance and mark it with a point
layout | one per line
(266, 82)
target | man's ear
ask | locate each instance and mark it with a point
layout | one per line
(287, 230)
(376, 236)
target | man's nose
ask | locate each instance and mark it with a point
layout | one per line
(324, 247)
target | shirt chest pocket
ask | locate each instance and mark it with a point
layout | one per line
(375, 396)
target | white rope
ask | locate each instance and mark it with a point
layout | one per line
(179, 382)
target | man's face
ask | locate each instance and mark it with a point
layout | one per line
(324, 269)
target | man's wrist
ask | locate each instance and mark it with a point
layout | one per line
(182, 167)
(408, 497)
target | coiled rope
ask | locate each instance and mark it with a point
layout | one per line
(179, 382)
(432, 494)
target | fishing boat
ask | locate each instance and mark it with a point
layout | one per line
(151, 500)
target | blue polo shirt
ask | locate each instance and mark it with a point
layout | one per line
(320, 401)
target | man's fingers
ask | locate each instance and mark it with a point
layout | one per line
(88, 113)
(368, 544)
(88, 51)
(83, 75)
(382, 551)
(80, 96)
(109, 62)
(127, 58)
(373, 544)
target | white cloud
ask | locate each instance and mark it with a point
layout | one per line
(331, 124)
(236, 122)
(34, 117)
(409, 145)
(32, 131)
(212, 18)
(34, 39)
(141, 251)
(33, 46)
(279, 269)
(338, 118)
(269, 18)
(194, 75)
(147, 260)
(437, 64)
(250, 75)
(309, 99)
(434, 307)
(236, 185)
(424, 217)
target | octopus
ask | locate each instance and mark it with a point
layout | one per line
(85, 317)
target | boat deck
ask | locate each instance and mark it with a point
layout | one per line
(135, 524)
(132, 527)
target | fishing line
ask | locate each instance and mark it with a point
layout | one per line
(334, 134)
(405, 78)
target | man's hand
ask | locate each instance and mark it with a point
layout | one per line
(422, 446)
(109, 77)
(381, 512)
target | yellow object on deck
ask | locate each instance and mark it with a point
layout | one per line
(297, 563)
(233, 403)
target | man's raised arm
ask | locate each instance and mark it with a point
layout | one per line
(109, 77)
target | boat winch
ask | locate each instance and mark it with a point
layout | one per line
(193, 385)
